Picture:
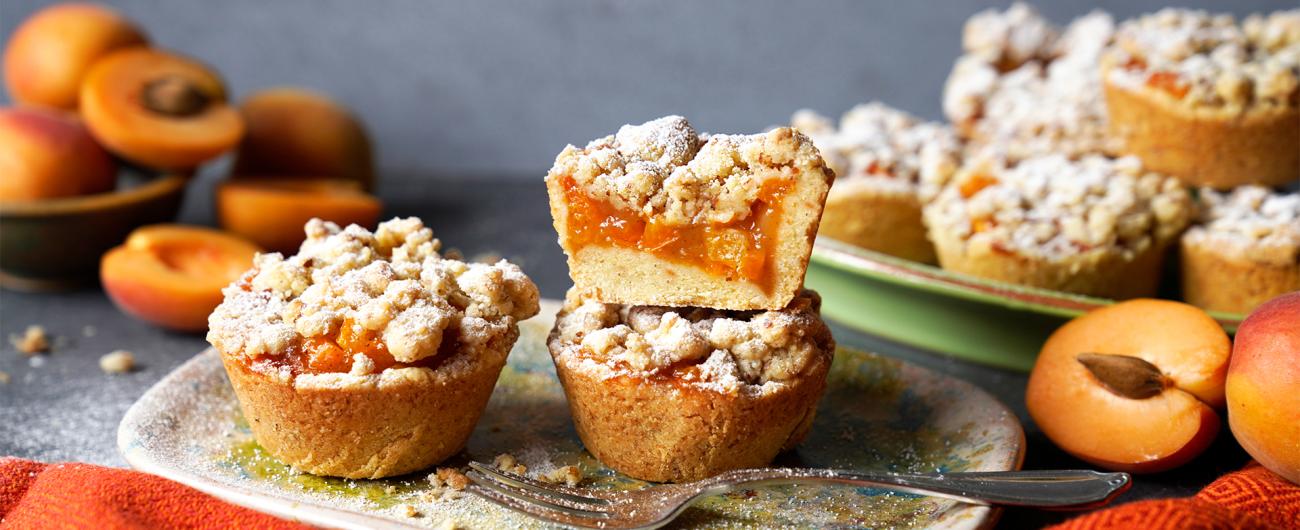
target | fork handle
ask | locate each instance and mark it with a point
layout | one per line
(1061, 489)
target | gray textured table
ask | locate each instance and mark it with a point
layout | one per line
(62, 407)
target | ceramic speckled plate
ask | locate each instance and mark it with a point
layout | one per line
(986, 321)
(878, 414)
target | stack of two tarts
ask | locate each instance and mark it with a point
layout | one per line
(688, 346)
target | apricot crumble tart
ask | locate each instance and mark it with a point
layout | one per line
(1096, 226)
(679, 394)
(368, 354)
(1028, 88)
(1208, 100)
(887, 163)
(722, 221)
(1244, 250)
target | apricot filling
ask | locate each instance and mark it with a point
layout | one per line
(335, 353)
(739, 250)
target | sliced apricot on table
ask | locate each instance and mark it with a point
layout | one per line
(1133, 386)
(301, 133)
(49, 54)
(172, 275)
(159, 109)
(48, 153)
(272, 212)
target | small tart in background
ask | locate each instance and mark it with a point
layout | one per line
(680, 394)
(723, 221)
(1028, 87)
(1205, 99)
(368, 355)
(1244, 250)
(1095, 226)
(887, 163)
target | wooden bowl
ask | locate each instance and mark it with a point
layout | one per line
(56, 244)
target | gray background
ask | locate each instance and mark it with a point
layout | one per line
(490, 87)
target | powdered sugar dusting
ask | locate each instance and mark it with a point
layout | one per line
(1251, 221)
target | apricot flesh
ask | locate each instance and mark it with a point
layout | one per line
(300, 133)
(272, 212)
(1087, 418)
(1263, 387)
(172, 275)
(49, 53)
(116, 102)
(46, 154)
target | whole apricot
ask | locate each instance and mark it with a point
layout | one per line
(1264, 386)
(159, 109)
(298, 132)
(272, 212)
(49, 54)
(172, 275)
(47, 153)
(1132, 386)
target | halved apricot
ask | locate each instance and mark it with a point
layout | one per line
(300, 133)
(172, 275)
(272, 212)
(159, 109)
(50, 52)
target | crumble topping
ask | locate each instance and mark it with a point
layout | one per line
(666, 170)
(1210, 60)
(733, 350)
(1053, 207)
(1029, 89)
(887, 147)
(391, 281)
(1251, 221)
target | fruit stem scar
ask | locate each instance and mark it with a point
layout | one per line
(1124, 375)
(175, 96)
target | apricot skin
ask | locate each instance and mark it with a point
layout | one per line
(49, 54)
(272, 213)
(46, 154)
(172, 275)
(1264, 386)
(300, 133)
(1096, 425)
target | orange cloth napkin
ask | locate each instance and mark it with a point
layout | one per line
(38, 495)
(1253, 498)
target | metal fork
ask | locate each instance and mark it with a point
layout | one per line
(655, 506)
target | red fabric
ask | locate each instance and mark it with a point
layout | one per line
(37, 495)
(1253, 498)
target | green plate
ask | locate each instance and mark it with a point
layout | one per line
(878, 414)
(985, 321)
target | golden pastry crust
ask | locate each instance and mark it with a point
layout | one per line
(662, 175)
(681, 394)
(1201, 98)
(1094, 226)
(1244, 251)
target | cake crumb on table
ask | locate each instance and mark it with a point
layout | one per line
(568, 475)
(117, 362)
(4, 378)
(508, 462)
(410, 511)
(34, 340)
(448, 524)
(447, 484)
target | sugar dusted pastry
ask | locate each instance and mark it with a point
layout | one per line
(1029, 88)
(1096, 226)
(660, 214)
(368, 355)
(1205, 99)
(666, 394)
(1244, 250)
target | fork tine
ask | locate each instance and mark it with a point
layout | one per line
(553, 491)
(524, 501)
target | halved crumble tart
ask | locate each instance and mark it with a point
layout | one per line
(368, 354)
(1244, 250)
(1095, 225)
(1205, 99)
(1028, 88)
(659, 214)
(887, 164)
(680, 394)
